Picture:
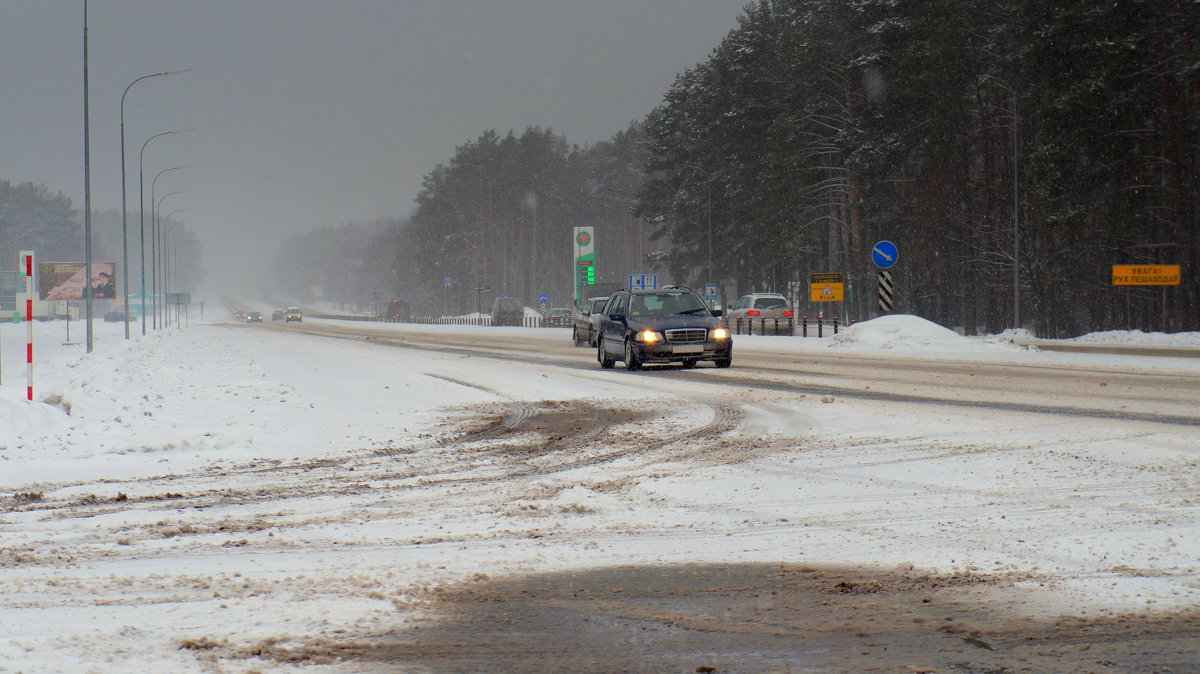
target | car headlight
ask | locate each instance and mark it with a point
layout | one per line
(649, 336)
(719, 333)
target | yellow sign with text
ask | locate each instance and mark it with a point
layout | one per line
(826, 292)
(1145, 274)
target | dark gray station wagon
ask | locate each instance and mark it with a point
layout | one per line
(668, 325)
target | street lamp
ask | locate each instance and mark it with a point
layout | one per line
(167, 220)
(142, 215)
(153, 186)
(124, 215)
(154, 255)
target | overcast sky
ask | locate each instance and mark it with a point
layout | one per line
(319, 112)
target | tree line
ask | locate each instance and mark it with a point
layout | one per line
(33, 217)
(1013, 150)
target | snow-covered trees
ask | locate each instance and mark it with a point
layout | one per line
(1060, 137)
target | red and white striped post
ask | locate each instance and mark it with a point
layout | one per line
(27, 265)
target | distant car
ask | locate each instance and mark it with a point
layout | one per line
(277, 315)
(254, 317)
(668, 325)
(114, 317)
(241, 315)
(507, 311)
(759, 305)
(586, 319)
(293, 314)
(557, 317)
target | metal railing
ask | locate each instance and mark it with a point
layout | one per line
(818, 326)
(515, 321)
(805, 326)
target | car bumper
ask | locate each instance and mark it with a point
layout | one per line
(663, 352)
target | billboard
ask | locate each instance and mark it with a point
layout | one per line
(67, 280)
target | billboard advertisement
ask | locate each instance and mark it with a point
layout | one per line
(67, 280)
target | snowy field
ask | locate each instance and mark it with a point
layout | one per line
(233, 498)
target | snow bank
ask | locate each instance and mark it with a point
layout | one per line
(1139, 338)
(911, 333)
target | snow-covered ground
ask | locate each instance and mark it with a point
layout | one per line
(228, 486)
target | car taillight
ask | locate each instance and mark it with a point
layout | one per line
(752, 312)
(788, 314)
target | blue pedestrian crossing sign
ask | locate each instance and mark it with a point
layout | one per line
(884, 254)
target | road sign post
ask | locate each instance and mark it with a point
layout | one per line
(826, 287)
(585, 258)
(27, 269)
(885, 255)
(885, 291)
(643, 281)
(1145, 274)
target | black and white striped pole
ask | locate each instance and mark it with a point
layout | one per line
(886, 290)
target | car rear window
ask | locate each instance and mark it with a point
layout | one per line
(770, 303)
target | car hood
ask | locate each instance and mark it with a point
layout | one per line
(672, 322)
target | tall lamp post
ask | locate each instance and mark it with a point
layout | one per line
(142, 214)
(156, 253)
(153, 186)
(167, 219)
(87, 186)
(124, 213)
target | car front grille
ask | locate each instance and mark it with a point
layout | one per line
(686, 335)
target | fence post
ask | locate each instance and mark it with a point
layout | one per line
(835, 324)
(820, 328)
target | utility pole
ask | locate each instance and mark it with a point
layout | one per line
(87, 186)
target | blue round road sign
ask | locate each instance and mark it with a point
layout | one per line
(543, 298)
(884, 254)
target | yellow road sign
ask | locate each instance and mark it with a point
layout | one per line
(826, 292)
(1145, 274)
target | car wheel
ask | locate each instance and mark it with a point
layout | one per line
(602, 356)
(631, 360)
(724, 362)
(689, 363)
(575, 337)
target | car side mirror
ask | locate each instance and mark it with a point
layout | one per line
(616, 317)
(718, 312)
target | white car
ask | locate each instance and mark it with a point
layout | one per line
(760, 305)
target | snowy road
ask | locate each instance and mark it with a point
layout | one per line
(1096, 389)
(444, 499)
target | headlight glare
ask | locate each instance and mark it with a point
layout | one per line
(649, 336)
(720, 333)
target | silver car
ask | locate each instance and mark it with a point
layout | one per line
(760, 305)
(585, 321)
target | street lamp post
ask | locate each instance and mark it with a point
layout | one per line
(156, 252)
(153, 186)
(124, 213)
(175, 265)
(142, 215)
(87, 186)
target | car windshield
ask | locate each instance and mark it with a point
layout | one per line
(770, 303)
(666, 304)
